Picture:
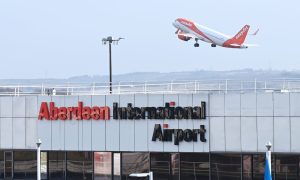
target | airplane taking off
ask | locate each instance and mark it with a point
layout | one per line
(187, 30)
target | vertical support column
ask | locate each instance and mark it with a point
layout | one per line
(255, 86)
(226, 86)
(121, 162)
(150, 175)
(38, 144)
(18, 90)
(297, 168)
(65, 165)
(265, 85)
(112, 166)
(242, 87)
(110, 70)
(42, 89)
(145, 87)
(268, 165)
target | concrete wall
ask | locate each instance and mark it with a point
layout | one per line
(234, 123)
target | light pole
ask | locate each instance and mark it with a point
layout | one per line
(268, 169)
(110, 40)
(38, 144)
(268, 146)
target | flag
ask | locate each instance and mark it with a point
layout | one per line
(268, 175)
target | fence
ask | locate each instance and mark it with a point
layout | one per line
(173, 87)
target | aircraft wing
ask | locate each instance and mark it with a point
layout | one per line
(192, 36)
(243, 45)
(235, 45)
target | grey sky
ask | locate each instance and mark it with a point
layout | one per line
(62, 38)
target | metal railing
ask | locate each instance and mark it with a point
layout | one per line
(173, 87)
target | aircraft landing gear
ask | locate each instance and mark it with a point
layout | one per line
(213, 45)
(196, 44)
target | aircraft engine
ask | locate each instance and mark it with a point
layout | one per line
(183, 37)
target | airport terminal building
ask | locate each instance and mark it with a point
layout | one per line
(213, 135)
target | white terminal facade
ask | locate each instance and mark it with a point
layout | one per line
(225, 140)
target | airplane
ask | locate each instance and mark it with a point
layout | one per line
(187, 29)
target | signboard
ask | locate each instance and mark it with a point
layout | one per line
(169, 111)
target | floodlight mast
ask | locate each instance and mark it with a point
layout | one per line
(110, 40)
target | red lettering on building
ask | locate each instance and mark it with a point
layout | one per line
(44, 112)
(79, 113)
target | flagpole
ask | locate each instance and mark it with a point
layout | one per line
(268, 172)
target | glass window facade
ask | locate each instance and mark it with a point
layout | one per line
(226, 166)
(44, 164)
(160, 166)
(286, 167)
(80, 165)
(25, 165)
(134, 163)
(175, 166)
(247, 167)
(56, 165)
(102, 165)
(258, 166)
(8, 164)
(194, 166)
(1, 165)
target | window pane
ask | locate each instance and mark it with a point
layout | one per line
(298, 167)
(1, 164)
(160, 166)
(194, 166)
(102, 165)
(175, 165)
(258, 166)
(134, 163)
(247, 167)
(8, 156)
(286, 167)
(80, 165)
(25, 165)
(44, 165)
(225, 166)
(8, 164)
(57, 165)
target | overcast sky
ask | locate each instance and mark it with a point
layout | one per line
(62, 38)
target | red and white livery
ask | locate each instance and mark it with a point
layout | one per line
(187, 30)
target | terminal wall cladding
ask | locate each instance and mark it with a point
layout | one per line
(234, 123)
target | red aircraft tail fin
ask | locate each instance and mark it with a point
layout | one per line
(240, 37)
